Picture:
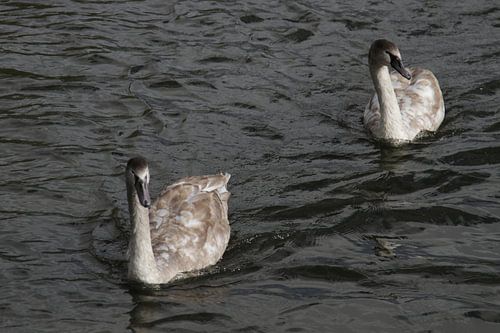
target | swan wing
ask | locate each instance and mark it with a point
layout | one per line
(420, 100)
(189, 224)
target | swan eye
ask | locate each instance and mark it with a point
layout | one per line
(394, 59)
(136, 178)
(392, 56)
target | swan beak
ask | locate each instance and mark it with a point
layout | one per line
(142, 189)
(397, 64)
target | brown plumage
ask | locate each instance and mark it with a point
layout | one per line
(194, 230)
(406, 103)
(185, 229)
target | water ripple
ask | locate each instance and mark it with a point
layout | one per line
(331, 231)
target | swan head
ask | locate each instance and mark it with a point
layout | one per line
(137, 176)
(386, 53)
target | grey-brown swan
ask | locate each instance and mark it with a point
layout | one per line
(405, 103)
(185, 229)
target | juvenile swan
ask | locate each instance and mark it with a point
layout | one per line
(185, 229)
(403, 105)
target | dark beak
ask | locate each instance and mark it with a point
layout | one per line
(143, 193)
(397, 64)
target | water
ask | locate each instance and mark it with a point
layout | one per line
(330, 230)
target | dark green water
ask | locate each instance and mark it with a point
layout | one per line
(330, 231)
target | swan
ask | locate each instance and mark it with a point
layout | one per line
(404, 105)
(185, 229)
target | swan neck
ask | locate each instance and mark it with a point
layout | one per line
(142, 265)
(391, 118)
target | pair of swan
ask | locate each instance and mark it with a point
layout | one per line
(186, 228)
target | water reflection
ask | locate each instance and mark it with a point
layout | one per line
(172, 306)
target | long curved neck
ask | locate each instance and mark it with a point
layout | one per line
(142, 266)
(392, 122)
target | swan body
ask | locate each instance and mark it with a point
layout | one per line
(406, 103)
(185, 229)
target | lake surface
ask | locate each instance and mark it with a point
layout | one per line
(331, 231)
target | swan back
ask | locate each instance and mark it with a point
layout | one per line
(189, 224)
